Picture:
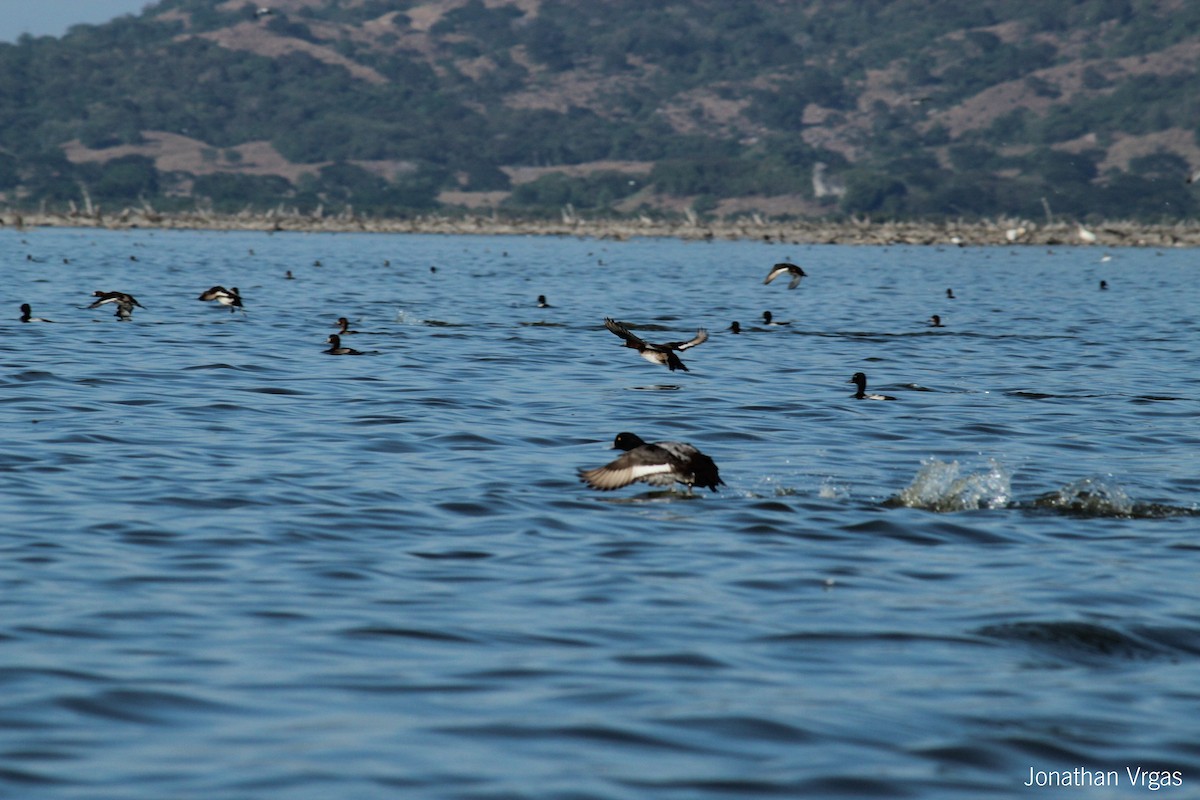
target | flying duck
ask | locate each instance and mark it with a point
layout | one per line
(226, 297)
(860, 380)
(791, 269)
(656, 353)
(124, 302)
(335, 347)
(658, 464)
(27, 315)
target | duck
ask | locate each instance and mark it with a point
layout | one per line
(657, 353)
(767, 320)
(936, 322)
(658, 464)
(791, 269)
(736, 327)
(124, 302)
(27, 315)
(344, 327)
(1103, 285)
(541, 302)
(860, 380)
(226, 297)
(950, 294)
(335, 347)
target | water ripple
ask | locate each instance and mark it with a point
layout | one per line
(236, 567)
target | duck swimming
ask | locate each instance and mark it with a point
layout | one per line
(657, 353)
(791, 269)
(860, 380)
(335, 347)
(735, 327)
(936, 322)
(658, 464)
(344, 327)
(26, 315)
(541, 302)
(768, 320)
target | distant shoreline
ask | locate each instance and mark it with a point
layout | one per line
(1109, 234)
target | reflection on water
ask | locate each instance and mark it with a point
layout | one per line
(236, 567)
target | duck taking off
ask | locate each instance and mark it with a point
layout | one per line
(791, 269)
(124, 303)
(657, 353)
(658, 464)
(226, 297)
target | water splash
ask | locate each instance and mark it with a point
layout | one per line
(1099, 496)
(833, 491)
(938, 486)
(1102, 496)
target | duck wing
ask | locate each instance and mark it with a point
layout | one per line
(623, 332)
(700, 338)
(775, 272)
(642, 463)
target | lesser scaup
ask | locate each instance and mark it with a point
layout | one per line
(658, 464)
(791, 269)
(335, 347)
(768, 320)
(950, 294)
(736, 327)
(860, 380)
(27, 315)
(344, 327)
(226, 297)
(124, 302)
(541, 302)
(936, 322)
(657, 353)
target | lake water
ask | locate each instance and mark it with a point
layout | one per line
(236, 567)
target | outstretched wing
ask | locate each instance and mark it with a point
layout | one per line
(623, 332)
(626, 470)
(700, 338)
(775, 272)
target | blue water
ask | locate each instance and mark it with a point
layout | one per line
(233, 566)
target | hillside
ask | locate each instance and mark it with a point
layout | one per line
(890, 109)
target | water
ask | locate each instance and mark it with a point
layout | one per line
(233, 566)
